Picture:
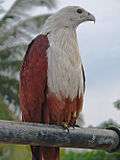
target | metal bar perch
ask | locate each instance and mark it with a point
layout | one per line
(51, 135)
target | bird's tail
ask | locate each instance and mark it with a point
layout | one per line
(45, 153)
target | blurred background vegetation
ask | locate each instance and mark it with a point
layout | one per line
(17, 28)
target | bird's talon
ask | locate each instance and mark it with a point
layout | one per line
(65, 126)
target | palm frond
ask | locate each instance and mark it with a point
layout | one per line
(9, 88)
(5, 113)
(19, 12)
(14, 52)
(23, 32)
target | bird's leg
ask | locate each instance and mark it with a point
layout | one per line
(73, 123)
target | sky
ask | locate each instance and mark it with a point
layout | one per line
(99, 45)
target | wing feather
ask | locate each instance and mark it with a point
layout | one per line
(83, 78)
(33, 80)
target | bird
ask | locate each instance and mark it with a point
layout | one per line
(52, 78)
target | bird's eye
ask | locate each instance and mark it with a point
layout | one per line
(79, 11)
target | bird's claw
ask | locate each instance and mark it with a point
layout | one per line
(65, 126)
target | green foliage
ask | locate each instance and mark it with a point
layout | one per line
(9, 88)
(89, 155)
(108, 123)
(117, 104)
(14, 152)
(5, 113)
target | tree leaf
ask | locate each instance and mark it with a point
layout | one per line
(5, 113)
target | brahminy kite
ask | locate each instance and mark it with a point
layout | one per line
(52, 80)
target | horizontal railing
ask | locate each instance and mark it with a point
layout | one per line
(52, 135)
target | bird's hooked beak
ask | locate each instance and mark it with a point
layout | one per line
(90, 17)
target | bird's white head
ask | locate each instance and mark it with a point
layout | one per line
(69, 17)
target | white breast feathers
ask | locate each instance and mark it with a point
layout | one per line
(64, 64)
